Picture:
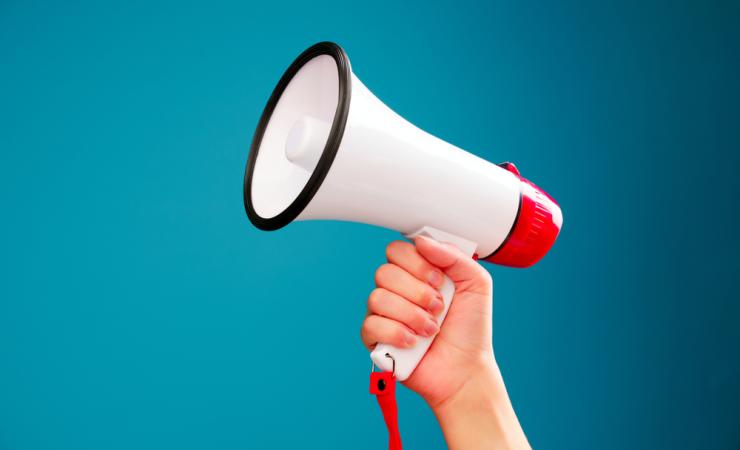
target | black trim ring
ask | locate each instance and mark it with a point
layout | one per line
(332, 143)
(511, 230)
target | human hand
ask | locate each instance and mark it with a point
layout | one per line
(458, 377)
(405, 305)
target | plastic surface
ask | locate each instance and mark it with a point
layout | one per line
(281, 171)
(406, 359)
(388, 172)
(537, 226)
(383, 170)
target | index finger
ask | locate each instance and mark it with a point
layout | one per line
(404, 255)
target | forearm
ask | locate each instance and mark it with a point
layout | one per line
(480, 415)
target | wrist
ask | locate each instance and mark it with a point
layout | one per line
(483, 387)
(480, 414)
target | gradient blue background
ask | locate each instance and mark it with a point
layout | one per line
(140, 309)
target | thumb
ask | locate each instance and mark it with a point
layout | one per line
(463, 270)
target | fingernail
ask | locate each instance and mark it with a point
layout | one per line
(423, 238)
(436, 279)
(436, 305)
(428, 240)
(430, 329)
(409, 340)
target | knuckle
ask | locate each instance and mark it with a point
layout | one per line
(375, 298)
(398, 336)
(477, 271)
(486, 279)
(366, 327)
(383, 272)
(393, 248)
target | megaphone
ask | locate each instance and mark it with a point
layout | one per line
(326, 148)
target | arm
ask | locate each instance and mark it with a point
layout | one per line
(480, 415)
(458, 376)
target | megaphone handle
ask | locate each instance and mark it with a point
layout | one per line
(406, 359)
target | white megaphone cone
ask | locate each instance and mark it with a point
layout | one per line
(327, 148)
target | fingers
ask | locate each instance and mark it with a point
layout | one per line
(382, 329)
(392, 306)
(405, 256)
(406, 300)
(456, 265)
(393, 278)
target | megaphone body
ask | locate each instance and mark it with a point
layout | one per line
(327, 149)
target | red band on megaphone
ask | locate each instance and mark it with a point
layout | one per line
(535, 228)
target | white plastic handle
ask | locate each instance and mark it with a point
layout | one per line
(403, 361)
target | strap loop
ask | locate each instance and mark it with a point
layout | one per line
(383, 386)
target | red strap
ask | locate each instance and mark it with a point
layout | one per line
(383, 386)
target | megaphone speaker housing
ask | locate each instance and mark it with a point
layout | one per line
(326, 148)
(300, 82)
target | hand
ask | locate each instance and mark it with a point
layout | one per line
(458, 376)
(406, 301)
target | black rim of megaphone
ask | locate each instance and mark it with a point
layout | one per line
(332, 143)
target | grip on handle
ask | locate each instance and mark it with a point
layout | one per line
(405, 360)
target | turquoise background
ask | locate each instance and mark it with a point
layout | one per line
(140, 309)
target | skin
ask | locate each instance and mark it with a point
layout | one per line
(458, 377)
